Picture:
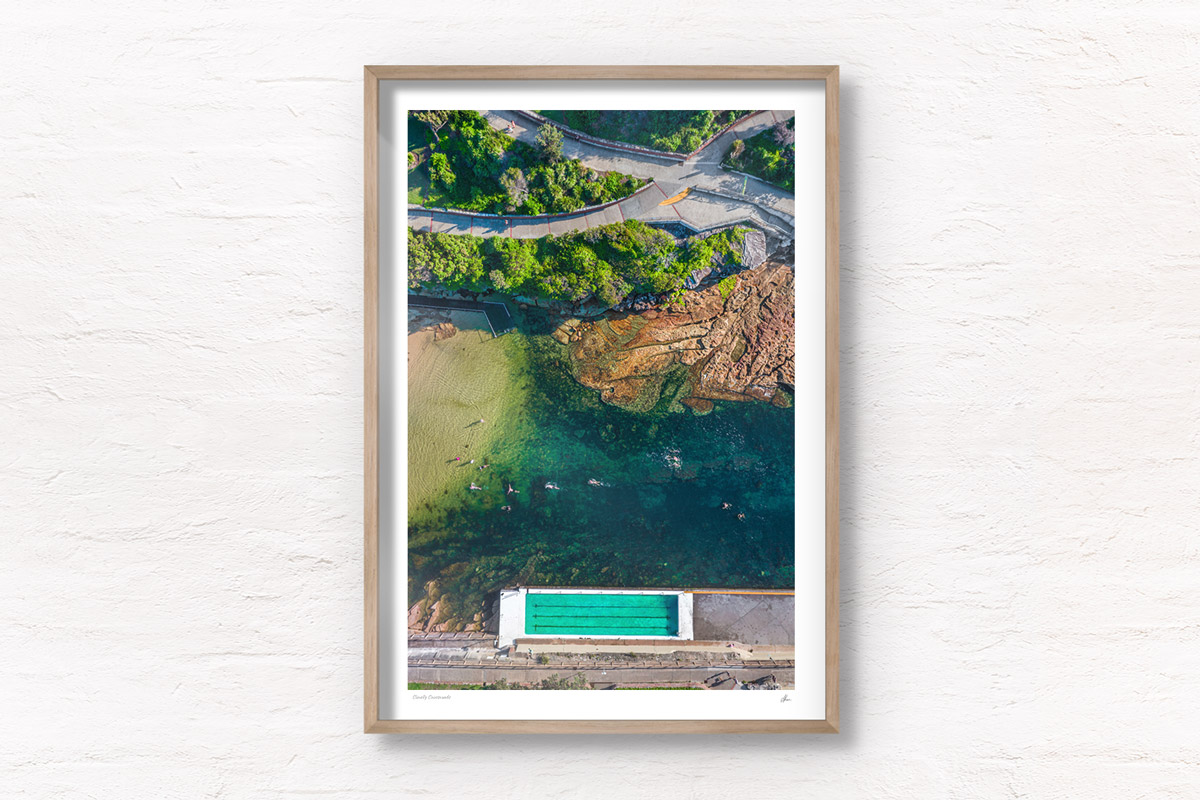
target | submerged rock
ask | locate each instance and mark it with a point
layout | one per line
(563, 334)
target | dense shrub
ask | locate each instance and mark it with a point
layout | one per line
(770, 155)
(606, 263)
(673, 131)
(440, 172)
(550, 140)
(475, 167)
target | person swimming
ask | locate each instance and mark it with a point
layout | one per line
(551, 485)
(512, 490)
(594, 482)
(741, 516)
(726, 506)
(506, 508)
(475, 488)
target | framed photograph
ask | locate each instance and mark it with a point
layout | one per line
(601, 487)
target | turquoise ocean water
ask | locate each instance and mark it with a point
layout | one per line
(651, 514)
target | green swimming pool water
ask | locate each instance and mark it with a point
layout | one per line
(602, 614)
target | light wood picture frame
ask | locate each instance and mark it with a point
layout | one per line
(373, 76)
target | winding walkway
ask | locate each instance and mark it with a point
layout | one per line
(714, 197)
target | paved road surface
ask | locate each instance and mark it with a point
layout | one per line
(718, 198)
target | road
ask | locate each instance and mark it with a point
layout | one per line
(714, 197)
(624, 676)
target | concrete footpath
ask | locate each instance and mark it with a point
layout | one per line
(625, 676)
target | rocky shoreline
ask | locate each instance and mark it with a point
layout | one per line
(731, 341)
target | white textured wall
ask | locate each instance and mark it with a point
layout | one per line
(180, 401)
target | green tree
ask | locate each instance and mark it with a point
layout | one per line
(481, 169)
(452, 261)
(498, 280)
(550, 140)
(482, 147)
(515, 259)
(436, 120)
(607, 262)
(514, 182)
(439, 170)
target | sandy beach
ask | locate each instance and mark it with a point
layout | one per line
(452, 384)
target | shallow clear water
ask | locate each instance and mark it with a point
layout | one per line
(653, 515)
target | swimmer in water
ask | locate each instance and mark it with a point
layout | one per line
(511, 490)
(551, 485)
(475, 488)
(506, 508)
(741, 516)
(725, 506)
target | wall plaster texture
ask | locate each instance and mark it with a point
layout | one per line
(181, 403)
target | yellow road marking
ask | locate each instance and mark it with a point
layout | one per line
(670, 201)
